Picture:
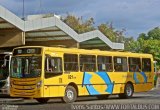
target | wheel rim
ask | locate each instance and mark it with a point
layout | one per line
(70, 94)
(129, 91)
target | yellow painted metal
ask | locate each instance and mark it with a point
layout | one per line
(55, 86)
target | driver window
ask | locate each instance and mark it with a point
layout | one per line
(53, 65)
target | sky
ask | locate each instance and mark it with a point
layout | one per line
(135, 16)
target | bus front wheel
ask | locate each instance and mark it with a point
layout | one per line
(128, 91)
(70, 94)
(42, 100)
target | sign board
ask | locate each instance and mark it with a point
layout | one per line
(27, 51)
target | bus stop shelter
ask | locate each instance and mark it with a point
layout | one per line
(47, 31)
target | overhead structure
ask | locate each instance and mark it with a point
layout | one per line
(11, 29)
(48, 31)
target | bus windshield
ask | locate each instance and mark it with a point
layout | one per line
(26, 67)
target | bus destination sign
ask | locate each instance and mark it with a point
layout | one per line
(27, 51)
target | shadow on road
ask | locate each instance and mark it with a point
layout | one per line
(29, 102)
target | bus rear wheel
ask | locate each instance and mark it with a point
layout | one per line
(128, 91)
(70, 94)
(42, 100)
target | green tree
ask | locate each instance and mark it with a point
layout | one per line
(81, 26)
(107, 31)
(78, 24)
(152, 47)
(146, 43)
(128, 44)
(143, 36)
(154, 33)
(149, 46)
(111, 33)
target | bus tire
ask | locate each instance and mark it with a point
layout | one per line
(42, 100)
(70, 94)
(128, 91)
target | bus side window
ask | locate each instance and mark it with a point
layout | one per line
(53, 65)
(71, 62)
(146, 65)
(120, 64)
(134, 64)
(88, 63)
(104, 63)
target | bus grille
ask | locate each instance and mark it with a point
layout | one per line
(23, 88)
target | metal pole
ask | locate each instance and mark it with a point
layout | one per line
(23, 15)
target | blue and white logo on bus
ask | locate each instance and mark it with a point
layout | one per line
(104, 76)
(135, 76)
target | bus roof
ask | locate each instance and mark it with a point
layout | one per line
(87, 51)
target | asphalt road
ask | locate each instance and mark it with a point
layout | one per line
(140, 101)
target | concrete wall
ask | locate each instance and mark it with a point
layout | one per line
(12, 37)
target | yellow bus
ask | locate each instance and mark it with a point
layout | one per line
(43, 73)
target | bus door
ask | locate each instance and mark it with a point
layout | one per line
(53, 75)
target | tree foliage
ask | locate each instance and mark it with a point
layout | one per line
(111, 33)
(107, 31)
(143, 36)
(154, 33)
(147, 43)
(81, 26)
(78, 24)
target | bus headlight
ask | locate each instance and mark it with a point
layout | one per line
(39, 84)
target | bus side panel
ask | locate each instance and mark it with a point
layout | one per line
(82, 90)
(52, 87)
(143, 81)
(142, 87)
(75, 79)
(96, 83)
(120, 79)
